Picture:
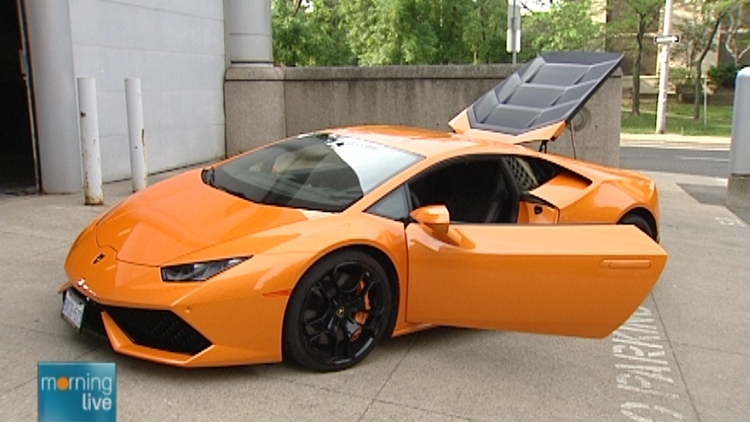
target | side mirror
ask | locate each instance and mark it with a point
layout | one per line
(435, 217)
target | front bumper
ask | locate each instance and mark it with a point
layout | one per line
(189, 334)
(156, 329)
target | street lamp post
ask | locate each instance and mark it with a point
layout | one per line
(661, 106)
(513, 43)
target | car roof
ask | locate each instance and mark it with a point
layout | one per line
(425, 142)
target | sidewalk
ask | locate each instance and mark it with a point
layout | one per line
(674, 140)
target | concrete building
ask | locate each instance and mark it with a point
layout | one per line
(176, 47)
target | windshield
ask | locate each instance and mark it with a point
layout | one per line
(318, 171)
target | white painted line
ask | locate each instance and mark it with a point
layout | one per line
(641, 412)
(726, 221)
(716, 160)
(701, 147)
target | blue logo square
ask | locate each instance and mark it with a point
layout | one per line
(80, 392)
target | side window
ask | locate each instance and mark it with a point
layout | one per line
(530, 172)
(393, 206)
(474, 190)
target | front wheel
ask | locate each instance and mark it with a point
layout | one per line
(338, 312)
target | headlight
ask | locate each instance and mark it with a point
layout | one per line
(198, 271)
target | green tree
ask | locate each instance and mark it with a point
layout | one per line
(703, 22)
(448, 19)
(573, 27)
(485, 31)
(290, 32)
(389, 31)
(309, 34)
(737, 36)
(692, 37)
(328, 42)
(378, 32)
(635, 20)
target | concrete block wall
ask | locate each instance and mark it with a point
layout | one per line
(266, 104)
(177, 49)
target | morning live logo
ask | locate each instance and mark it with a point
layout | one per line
(81, 392)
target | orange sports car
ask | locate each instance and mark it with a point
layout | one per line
(317, 246)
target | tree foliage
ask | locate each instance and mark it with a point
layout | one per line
(485, 32)
(288, 29)
(700, 27)
(390, 31)
(309, 34)
(448, 19)
(723, 74)
(574, 28)
(379, 32)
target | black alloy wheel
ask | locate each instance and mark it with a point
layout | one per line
(338, 312)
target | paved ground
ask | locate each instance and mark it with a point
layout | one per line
(687, 160)
(673, 140)
(685, 355)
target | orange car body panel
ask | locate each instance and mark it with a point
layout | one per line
(595, 194)
(531, 213)
(241, 310)
(531, 281)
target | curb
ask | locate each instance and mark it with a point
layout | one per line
(675, 140)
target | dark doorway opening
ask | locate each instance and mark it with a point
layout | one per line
(17, 162)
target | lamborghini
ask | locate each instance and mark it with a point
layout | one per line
(316, 247)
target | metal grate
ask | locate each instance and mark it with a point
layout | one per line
(524, 176)
(92, 320)
(158, 329)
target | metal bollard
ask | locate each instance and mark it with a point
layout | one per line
(738, 190)
(136, 133)
(92, 161)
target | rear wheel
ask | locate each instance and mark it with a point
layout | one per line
(638, 221)
(338, 312)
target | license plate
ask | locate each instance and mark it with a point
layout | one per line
(72, 310)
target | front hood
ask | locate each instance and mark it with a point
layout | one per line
(183, 215)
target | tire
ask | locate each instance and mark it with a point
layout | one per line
(638, 221)
(338, 312)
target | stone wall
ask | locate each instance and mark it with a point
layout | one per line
(266, 104)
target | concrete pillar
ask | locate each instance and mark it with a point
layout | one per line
(53, 81)
(738, 193)
(92, 158)
(250, 32)
(136, 133)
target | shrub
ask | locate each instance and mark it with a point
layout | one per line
(723, 74)
(680, 76)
